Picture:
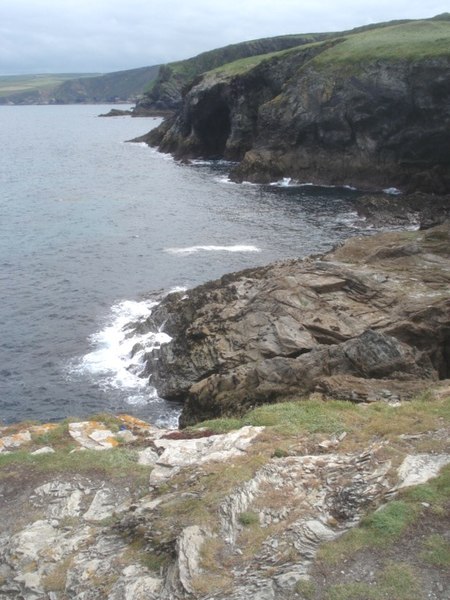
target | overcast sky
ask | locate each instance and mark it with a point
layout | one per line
(49, 36)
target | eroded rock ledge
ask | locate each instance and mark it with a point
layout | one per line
(143, 513)
(369, 321)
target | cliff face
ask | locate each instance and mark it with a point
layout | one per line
(369, 109)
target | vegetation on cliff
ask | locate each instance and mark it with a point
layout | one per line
(368, 108)
(323, 504)
(165, 93)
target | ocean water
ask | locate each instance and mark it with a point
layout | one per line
(94, 230)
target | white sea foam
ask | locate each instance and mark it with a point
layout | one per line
(225, 179)
(119, 350)
(194, 249)
(392, 191)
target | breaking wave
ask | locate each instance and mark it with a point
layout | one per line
(194, 249)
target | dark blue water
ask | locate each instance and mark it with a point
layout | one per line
(90, 226)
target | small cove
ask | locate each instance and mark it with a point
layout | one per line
(94, 229)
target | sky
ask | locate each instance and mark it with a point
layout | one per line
(81, 36)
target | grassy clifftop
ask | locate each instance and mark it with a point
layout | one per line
(409, 41)
(165, 91)
(403, 41)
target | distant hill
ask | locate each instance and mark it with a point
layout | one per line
(120, 86)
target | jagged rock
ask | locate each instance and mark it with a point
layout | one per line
(105, 504)
(93, 435)
(180, 453)
(15, 440)
(188, 549)
(369, 321)
(147, 456)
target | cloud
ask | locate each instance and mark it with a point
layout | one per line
(106, 35)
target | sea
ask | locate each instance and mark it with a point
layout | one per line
(95, 230)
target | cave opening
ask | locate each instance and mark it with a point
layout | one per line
(213, 129)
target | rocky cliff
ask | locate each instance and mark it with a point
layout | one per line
(369, 109)
(370, 320)
(166, 92)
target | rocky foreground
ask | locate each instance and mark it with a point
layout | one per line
(115, 508)
(340, 491)
(367, 322)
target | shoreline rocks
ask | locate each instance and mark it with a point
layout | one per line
(370, 320)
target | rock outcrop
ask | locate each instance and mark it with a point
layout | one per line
(166, 92)
(228, 517)
(369, 109)
(369, 321)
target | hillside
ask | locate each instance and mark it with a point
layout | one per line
(32, 88)
(165, 93)
(368, 108)
(120, 86)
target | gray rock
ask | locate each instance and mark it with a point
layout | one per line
(419, 468)
(367, 322)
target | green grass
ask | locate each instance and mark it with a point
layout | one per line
(309, 416)
(383, 527)
(378, 420)
(14, 84)
(396, 582)
(411, 41)
(115, 464)
(390, 521)
(248, 518)
(242, 65)
(436, 551)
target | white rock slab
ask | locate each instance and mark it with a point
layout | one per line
(181, 453)
(15, 440)
(44, 450)
(92, 435)
(144, 588)
(189, 545)
(104, 505)
(419, 468)
(147, 457)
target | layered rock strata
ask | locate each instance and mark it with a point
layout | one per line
(369, 321)
(185, 533)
